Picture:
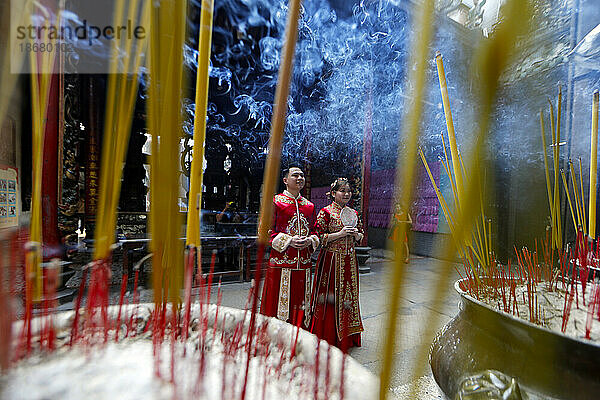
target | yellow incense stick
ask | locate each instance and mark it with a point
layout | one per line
(485, 236)
(202, 78)
(41, 64)
(449, 125)
(167, 36)
(120, 101)
(564, 179)
(440, 196)
(554, 159)
(575, 190)
(39, 88)
(556, 172)
(489, 221)
(593, 166)
(405, 178)
(488, 246)
(491, 60)
(461, 247)
(478, 241)
(462, 166)
(34, 253)
(447, 167)
(546, 168)
(272, 165)
(583, 214)
(448, 173)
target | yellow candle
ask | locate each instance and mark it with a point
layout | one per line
(450, 126)
(196, 172)
(593, 166)
(271, 175)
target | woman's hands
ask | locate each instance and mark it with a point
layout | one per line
(345, 232)
(300, 242)
(348, 231)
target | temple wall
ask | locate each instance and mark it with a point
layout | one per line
(11, 132)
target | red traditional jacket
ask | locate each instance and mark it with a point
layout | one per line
(292, 216)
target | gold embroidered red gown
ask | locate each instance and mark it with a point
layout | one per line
(287, 286)
(335, 305)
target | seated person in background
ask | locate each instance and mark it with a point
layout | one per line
(229, 214)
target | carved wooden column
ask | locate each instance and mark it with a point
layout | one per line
(92, 145)
(69, 156)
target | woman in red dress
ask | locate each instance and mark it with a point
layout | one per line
(335, 307)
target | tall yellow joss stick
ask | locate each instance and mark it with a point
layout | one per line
(556, 173)
(450, 126)
(564, 179)
(447, 168)
(41, 80)
(575, 190)
(196, 172)
(120, 102)
(583, 216)
(167, 38)
(555, 163)
(272, 165)
(546, 169)
(593, 166)
(404, 181)
(39, 88)
(490, 61)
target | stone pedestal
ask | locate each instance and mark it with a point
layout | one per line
(362, 255)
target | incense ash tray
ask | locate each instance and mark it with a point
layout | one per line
(209, 364)
(540, 361)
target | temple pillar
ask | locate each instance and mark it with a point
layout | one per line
(69, 157)
(51, 245)
(133, 191)
(366, 167)
(307, 180)
(92, 163)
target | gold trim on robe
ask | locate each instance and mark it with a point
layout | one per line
(307, 292)
(283, 306)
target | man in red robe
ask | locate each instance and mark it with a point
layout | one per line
(287, 286)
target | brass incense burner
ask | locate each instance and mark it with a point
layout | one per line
(544, 363)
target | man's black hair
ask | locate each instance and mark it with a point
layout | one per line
(286, 171)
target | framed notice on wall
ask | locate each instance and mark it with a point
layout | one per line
(9, 197)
